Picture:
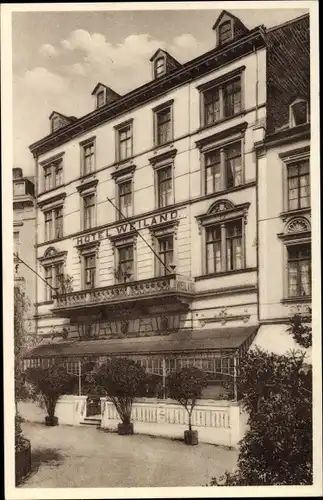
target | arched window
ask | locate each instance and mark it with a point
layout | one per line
(225, 32)
(159, 67)
(298, 113)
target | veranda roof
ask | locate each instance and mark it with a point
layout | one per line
(189, 341)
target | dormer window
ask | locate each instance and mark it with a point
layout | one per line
(298, 113)
(100, 99)
(159, 67)
(55, 123)
(225, 32)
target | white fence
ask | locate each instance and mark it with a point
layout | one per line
(220, 423)
(217, 422)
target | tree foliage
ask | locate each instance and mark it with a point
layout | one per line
(186, 386)
(51, 383)
(122, 380)
(277, 447)
(301, 328)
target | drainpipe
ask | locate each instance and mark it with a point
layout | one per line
(36, 242)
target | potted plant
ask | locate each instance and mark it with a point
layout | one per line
(122, 380)
(51, 383)
(185, 386)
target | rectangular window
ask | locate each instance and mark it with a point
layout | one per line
(164, 186)
(125, 267)
(58, 167)
(232, 97)
(125, 199)
(298, 185)
(223, 168)
(88, 158)
(48, 177)
(48, 225)
(212, 106)
(53, 175)
(125, 143)
(299, 271)
(163, 126)
(233, 161)
(59, 275)
(100, 99)
(49, 283)
(89, 271)
(89, 211)
(224, 251)
(166, 254)
(213, 172)
(58, 222)
(16, 243)
(222, 101)
(213, 250)
(234, 245)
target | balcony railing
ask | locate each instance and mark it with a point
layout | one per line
(155, 288)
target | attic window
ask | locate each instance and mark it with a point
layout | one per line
(225, 32)
(55, 123)
(100, 99)
(298, 113)
(159, 67)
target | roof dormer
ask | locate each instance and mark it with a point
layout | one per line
(228, 28)
(298, 112)
(103, 95)
(57, 121)
(163, 63)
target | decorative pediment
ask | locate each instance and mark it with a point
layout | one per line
(222, 138)
(52, 255)
(52, 202)
(165, 228)
(298, 225)
(123, 172)
(297, 229)
(220, 206)
(163, 158)
(222, 211)
(87, 186)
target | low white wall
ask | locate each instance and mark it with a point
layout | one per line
(216, 422)
(70, 410)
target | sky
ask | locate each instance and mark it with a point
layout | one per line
(59, 57)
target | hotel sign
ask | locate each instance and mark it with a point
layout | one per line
(125, 227)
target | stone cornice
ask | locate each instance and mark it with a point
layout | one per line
(162, 156)
(224, 134)
(214, 59)
(53, 199)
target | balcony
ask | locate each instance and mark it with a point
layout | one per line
(163, 290)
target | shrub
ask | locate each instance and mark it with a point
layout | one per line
(51, 383)
(186, 386)
(277, 448)
(122, 380)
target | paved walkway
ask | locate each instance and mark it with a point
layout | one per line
(75, 457)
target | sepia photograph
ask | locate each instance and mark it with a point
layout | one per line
(160, 193)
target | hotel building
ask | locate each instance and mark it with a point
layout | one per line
(148, 208)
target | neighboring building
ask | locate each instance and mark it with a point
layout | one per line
(284, 202)
(147, 208)
(24, 228)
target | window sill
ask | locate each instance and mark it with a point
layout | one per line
(45, 303)
(120, 163)
(54, 240)
(230, 190)
(295, 300)
(224, 273)
(51, 190)
(157, 147)
(297, 211)
(222, 120)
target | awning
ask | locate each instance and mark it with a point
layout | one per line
(228, 339)
(277, 340)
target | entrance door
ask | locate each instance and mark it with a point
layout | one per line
(93, 406)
